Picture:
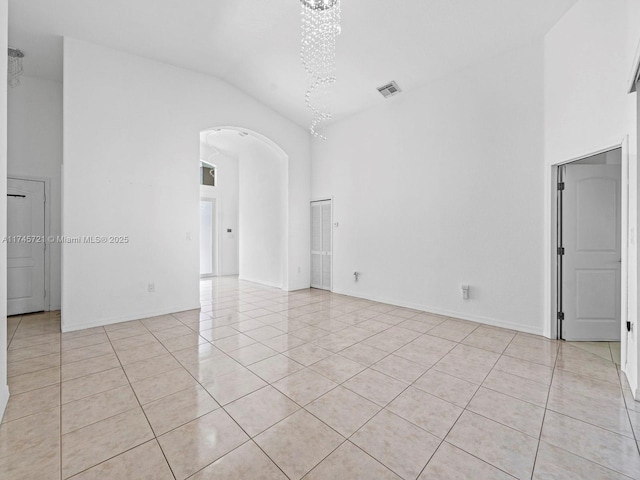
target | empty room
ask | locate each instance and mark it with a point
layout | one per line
(319, 239)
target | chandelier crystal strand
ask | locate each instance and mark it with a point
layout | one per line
(320, 27)
(14, 68)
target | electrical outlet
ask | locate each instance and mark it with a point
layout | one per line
(465, 292)
(151, 287)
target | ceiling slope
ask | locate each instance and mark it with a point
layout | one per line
(254, 44)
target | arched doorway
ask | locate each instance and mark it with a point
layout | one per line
(250, 195)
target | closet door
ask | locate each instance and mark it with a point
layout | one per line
(321, 244)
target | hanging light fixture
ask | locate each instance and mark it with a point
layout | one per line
(320, 27)
(15, 68)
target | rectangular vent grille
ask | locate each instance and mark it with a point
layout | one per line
(389, 90)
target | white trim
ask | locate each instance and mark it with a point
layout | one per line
(4, 399)
(296, 289)
(333, 246)
(635, 392)
(550, 327)
(624, 249)
(635, 71)
(549, 232)
(447, 313)
(611, 145)
(127, 318)
(218, 252)
(260, 282)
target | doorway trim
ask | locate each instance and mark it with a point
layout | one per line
(333, 246)
(47, 233)
(551, 252)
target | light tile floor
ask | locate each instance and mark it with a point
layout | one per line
(262, 384)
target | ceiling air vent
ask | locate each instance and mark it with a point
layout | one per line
(389, 89)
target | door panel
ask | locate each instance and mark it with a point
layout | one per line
(25, 259)
(596, 294)
(592, 241)
(597, 215)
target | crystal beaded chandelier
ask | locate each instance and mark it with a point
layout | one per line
(15, 68)
(320, 27)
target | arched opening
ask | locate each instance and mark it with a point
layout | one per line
(247, 206)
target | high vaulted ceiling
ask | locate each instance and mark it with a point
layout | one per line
(254, 44)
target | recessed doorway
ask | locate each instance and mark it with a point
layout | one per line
(589, 248)
(26, 247)
(321, 245)
(208, 238)
(245, 173)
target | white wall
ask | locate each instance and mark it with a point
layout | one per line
(443, 186)
(226, 192)
(131, 144)
(586, 73)
(262, 214)
(588, 60)
(4, 389)
(35, 152)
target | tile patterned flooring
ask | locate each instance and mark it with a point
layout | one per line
(262, 384)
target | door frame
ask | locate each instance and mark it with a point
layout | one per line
(216, 238)
(325, 199)
(47, 233)
(552, 252)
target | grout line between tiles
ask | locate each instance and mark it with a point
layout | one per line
(13, 334)
(544, 415)
(60, 408)
(636, 438)
(155, 437)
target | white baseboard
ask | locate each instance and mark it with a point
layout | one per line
(447, 313)
(126, 318)
(635, 389)
(260, 282)
(292, 288)
(4, 399)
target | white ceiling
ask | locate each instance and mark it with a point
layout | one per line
(254, 44)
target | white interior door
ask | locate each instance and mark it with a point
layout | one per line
(25, 246)
(208, 263)
(321, 245)
(592, 256)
